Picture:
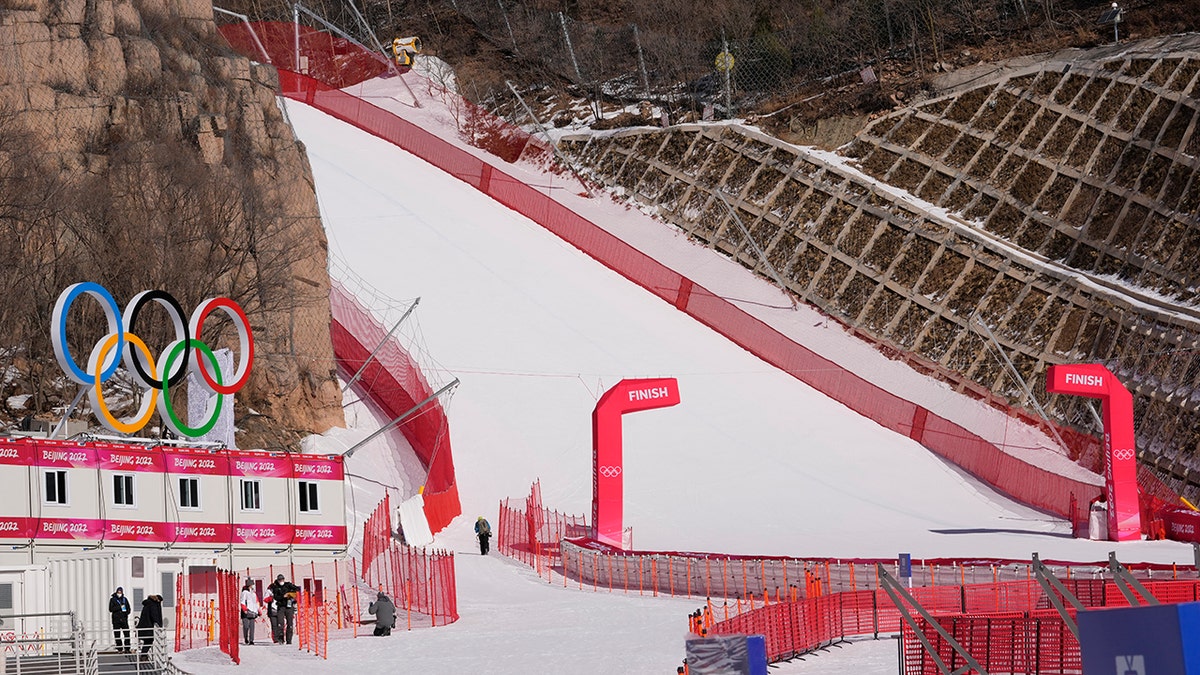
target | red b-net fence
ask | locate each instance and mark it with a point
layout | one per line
(326, 57)
(394, 382)
(207, 611)
(420, 582)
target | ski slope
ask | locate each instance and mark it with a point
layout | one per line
(752, 461)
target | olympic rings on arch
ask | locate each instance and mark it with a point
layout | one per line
(122, 345)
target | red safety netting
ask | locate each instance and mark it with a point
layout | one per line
(207, 611)
(420, 582)
(394, 382)
(328, 58)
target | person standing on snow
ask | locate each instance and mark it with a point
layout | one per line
(385, 614)
(250, 611)
(283, 595)
(118, 606)
(483, 530)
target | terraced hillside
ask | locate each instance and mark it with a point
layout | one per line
(1048, 208)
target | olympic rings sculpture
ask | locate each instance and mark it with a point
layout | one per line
(122, 346)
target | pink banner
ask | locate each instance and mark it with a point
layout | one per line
(608, 484)
(260, 465)
(198, 533)
(69, 528)
(130, 459)
(67, 457)
(1181, 525)
(21, 455)
(333, 535)
(16, 528)
(317, 468)
(195, 462)
(135, 530)
(262, 534)
(1120, 468)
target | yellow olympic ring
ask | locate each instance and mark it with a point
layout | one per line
(149, 399)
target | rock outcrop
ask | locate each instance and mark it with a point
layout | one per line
(138, 151)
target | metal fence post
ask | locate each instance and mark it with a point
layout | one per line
(641, 61)
(504, 13)
(562, 19)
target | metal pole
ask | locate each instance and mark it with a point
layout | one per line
(553, 146)
(1051, 583)
(371, 356)
(902, 600)
(641, 61)
(67, 413)
(508, 25)
(754, 245)
(1016, 375)
(571, 49)
(411, 411)
(728, 93)
(296, 37)
(253, 33)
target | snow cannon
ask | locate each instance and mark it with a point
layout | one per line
(405, 50)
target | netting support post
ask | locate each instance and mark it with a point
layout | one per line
(762, 257)
(1126, 583)
(1051, 583)
(900, 598)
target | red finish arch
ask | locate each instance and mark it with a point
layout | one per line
(1120, 450)
(608, 483)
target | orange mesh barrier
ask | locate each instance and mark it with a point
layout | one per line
(419, 581)
(530, 533)
(207, 611)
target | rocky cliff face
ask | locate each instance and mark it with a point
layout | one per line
(138, 151)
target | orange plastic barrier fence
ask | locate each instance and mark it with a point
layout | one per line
(530, 533)
(393, 381)
(419, 581)
(207, 611)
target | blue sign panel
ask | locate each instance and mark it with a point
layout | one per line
(1137, 640)
(905, 565)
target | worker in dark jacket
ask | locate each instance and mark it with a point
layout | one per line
(483, 530)
(150, 618)
(283, 597)
(118, 606)
(385, 614)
